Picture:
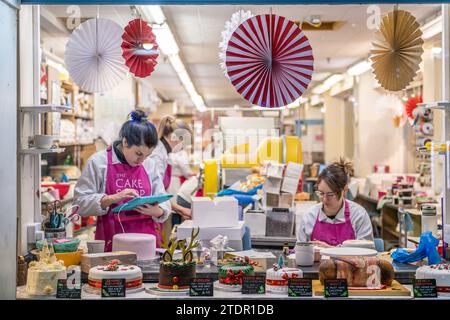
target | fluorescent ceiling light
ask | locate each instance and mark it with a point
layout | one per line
(320, 76)
(432, 28)
(331, 81)
(155, 13)
(166, 40)
(359, 68)
(321, 88)
(436, 50)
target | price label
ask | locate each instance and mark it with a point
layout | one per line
(113, 288)
(253, 285)
(201, 287)
(336, 288)
(300, 287)
(425, 288)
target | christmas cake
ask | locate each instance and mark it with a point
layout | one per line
(115, 270)
(277, 278)
(233, 271)
(440, 272)
(176, 275)
(43, 275)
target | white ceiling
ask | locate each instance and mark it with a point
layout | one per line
(198, 29)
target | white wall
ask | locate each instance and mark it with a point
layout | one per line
(379, 142)
(334, 128)
(8, 160)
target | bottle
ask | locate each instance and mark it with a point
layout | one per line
(286, 249)
(429, 219)
(68, 161)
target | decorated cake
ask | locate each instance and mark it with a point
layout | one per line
(233, 271)
(177, 274)
(440, 272)
(144, 245)
(277, 277)
(115, 270)
(43, 275)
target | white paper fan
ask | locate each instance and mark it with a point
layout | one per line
(230, 26)
(94, 57)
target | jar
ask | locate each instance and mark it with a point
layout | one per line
(429, 219)
(304, 254)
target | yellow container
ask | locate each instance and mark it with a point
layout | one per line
(70, 258)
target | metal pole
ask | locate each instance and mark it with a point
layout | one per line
(446, 125)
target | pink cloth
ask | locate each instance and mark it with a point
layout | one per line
(118, 177)
(334, 233)
(167, 176)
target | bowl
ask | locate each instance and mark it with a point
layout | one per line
(43, 141)
(70, 258)
(71, 246)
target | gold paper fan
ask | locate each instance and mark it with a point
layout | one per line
(397, 50)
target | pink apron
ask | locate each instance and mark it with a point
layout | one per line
(121, 176)
(334, 233)
(167, 176)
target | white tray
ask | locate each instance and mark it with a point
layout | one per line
(88, 289)
(223, 287)
(153, 289)
(348, 252)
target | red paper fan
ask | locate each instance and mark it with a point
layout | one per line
(411, 104)
(269, 61)
(139, 48)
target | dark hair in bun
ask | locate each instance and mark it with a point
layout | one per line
(337, 175)
(138, 130)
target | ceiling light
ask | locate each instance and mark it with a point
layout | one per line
(166, 40)
(321, 88)
(322, 109)
(359, 68)
(153, 13)
(147, 46)
(331, 81)
(432, 28)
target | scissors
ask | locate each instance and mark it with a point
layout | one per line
(53, 210)
(71, 214)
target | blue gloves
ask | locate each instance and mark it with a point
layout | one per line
(427, 248)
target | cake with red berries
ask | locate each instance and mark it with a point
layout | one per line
(440, 272)
(277, 278)
(234, 270)
(115, 270)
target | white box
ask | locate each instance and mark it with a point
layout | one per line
(220, 212)
(256, 221)
(275, 170)
(208, 233)
(272, 185)
(292, 177)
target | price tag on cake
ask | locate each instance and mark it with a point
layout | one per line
(336, 288)
(201, 287)
(299, 287)
(425, 288)
(65, 291)
(113, 288)
(253, 285)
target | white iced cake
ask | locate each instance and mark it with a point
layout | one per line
(439, 272)
(115, 270)
(42, 277)
(277, 278)
(144, 245)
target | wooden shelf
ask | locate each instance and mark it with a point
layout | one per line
(84, 118)
(41, 151)
(46, 108)
(442, 105)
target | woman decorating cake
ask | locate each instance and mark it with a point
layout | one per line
(121, 172)
(173, 134)
(335, 219)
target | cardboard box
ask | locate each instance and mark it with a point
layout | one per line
(256, 221)
(220, 212)
(286, 200)
(90, 260)
(275, 170)
(292, 178)
(208, 233)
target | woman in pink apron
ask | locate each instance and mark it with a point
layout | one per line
(118, 174)
(173, 135)
(335, 219)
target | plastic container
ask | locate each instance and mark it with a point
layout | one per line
(304, 254)
(429, 219)
(70, 246)
(70, 258)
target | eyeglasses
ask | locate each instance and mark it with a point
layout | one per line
(321, 194)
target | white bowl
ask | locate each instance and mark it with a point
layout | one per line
(43, 141)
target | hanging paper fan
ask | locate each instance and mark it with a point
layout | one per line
(269, 61)
(230, 26)
(139, 47)
(397, 50)
(411, 104)
(93, 55)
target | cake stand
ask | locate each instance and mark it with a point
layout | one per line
(223, 287)
(88, 289)
(153, 289)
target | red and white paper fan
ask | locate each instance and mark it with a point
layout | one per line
(139, 48)
(269, 61)
(411, 104)
(93, 55)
